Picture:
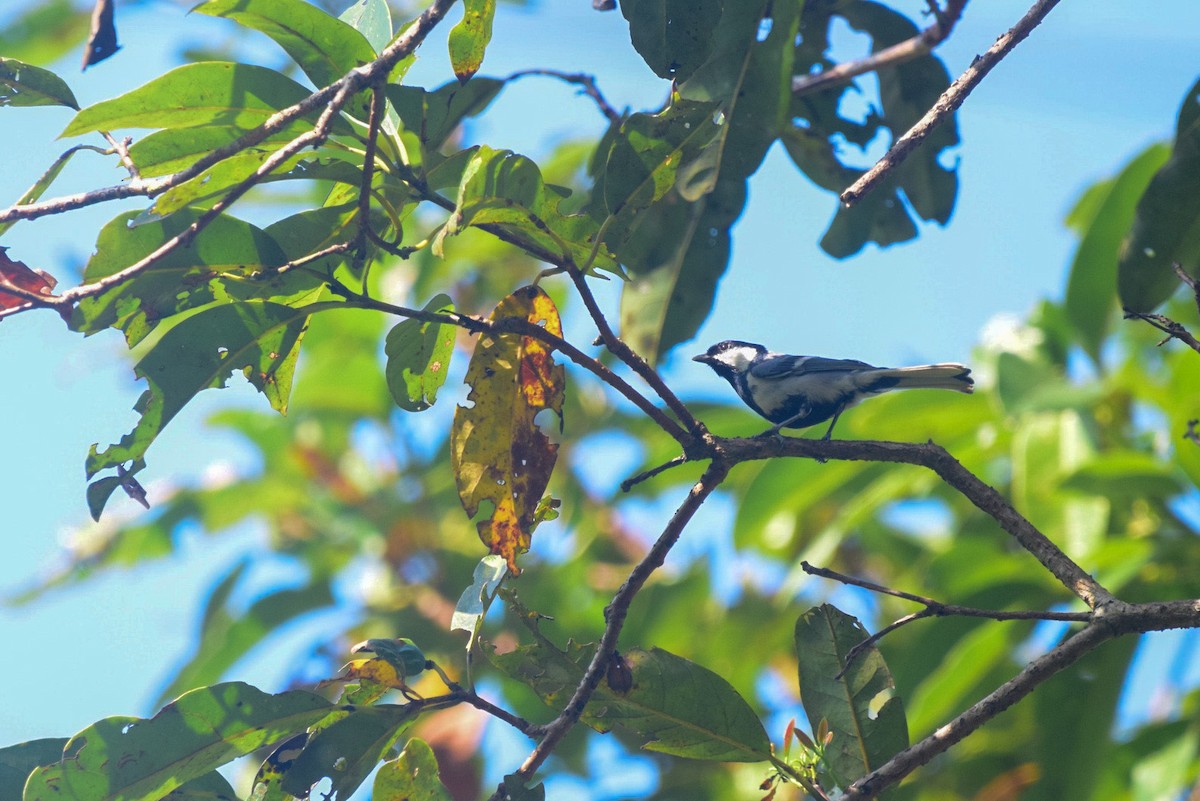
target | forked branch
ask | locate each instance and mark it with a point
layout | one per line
(948, 103)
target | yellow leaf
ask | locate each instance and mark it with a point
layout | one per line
(497, 451)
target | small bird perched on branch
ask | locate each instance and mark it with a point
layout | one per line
(801, 391)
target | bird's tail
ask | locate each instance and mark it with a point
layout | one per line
(930, 376)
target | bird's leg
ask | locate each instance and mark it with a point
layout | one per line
(832, 423)
(774, 431)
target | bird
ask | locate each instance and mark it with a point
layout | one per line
(801, 391)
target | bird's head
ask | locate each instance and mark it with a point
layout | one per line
(731, 356)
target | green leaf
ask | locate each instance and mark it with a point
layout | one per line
(43, 183)
(174, 149)
(676, 706)
(1166, 228)
(516, 788)
(434, 116)
(472, 604)
(226, 635)
(348, 749)
(225, 260)
(861, 708)
(122, 758)
(674, 37)
(42, 33)
(259, 338)
(372, 19)
(906, 92)
(418, 357)
(678, 248)
(469, 38)
(216, 181)
(23, 84)
(325, 47)
(412, 776)
(209, 93)
(1065, 717)
(1114, 473)
(211, 786)
(98, 493)
(504, 189)
(645, 156)
(18, 761)
(1092, 285)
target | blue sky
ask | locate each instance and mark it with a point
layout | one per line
(1091, 87)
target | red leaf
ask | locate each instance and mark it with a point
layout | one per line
(16, 274)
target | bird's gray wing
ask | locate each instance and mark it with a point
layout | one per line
(783, 366)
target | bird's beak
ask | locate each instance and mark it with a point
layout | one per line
(701, 357)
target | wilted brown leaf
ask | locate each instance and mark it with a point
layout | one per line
(15, 274)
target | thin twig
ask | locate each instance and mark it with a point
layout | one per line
(616, 612)
(694, 429)
(303, 261)
(939, 609)
(587, 84)
(335, 96)
(948, 103)
(1172, 329)
(932, 608)
(374, 122)
(1191, 282)
(919, 45)
(646, 475)
(1013, 690)
(520, 724)
(121, 148)
(1191, 432)
(936, 458)
(525, 328)
(356, 80)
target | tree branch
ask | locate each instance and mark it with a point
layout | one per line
(354, 81)
(897, 54)
(994, 703)
(936, 458)
(932, 609)
(616, 612)
(525, 328)
(1114, 619)
(946, 105)
(587, 84)
(694, 428)
(1172, 329)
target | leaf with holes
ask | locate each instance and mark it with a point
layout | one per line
(18, 761)
(860, 706)
(132, 758)
(498, 453)
(418, 358)
(348, 749)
